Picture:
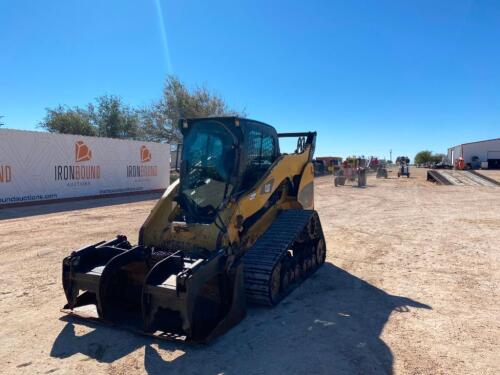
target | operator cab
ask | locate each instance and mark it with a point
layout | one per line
(221, 157)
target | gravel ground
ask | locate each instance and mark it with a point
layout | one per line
(411, 286)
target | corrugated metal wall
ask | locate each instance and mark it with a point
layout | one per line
(483, 150)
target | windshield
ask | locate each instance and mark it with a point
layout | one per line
(208, 161)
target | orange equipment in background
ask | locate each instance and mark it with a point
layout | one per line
(460, 163)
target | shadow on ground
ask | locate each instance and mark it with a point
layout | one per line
(330, 325)
(50, 208)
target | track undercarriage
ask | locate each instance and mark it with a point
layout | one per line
(289, 251)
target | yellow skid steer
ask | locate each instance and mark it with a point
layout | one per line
(238, 226)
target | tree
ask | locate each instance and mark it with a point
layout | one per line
(437, 158)
(427, 157)
(114, 119)
(423, 157)
(109, 117)
(160, 120)
(67, 120)
(1, 122)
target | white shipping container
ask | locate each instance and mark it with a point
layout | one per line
(39, 166)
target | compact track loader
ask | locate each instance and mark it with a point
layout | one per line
(238, 226)
(404, 166)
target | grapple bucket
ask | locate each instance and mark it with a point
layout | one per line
(167, 294)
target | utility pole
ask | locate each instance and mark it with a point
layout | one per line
(390, 155)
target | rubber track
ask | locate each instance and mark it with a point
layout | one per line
(260, 261)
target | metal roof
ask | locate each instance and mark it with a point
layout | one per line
(469, 143)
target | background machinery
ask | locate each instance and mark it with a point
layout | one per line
(239, 225)
(404, 166)
(327, 165)
(460, 163)
(374, 163)
(354, 170)
(382, 169)
(319, 168)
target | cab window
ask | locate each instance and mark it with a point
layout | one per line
(261, 153)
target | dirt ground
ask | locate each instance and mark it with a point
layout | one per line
(411, 286)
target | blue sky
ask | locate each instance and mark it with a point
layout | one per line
(369, 76)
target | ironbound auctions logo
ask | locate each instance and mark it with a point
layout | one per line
(5, 174)
(78, 172)
(143, 170)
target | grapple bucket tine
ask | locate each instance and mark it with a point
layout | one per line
(237, 303)
(82, 269)
(121, 285)
(162, 276)
(195, 298)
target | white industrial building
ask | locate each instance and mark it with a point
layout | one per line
(485, 154)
